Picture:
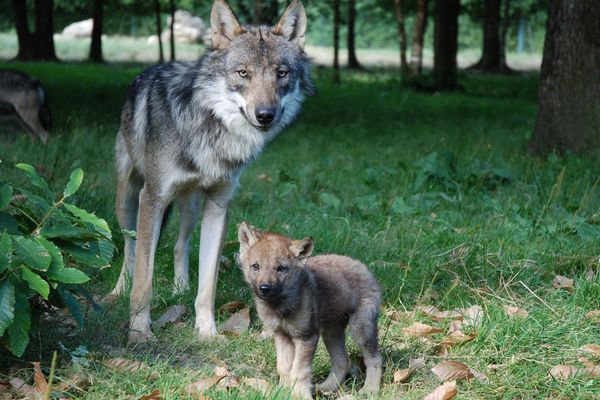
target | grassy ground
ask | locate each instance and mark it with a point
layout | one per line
(434, 192)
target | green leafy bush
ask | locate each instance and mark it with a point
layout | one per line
(42, 245)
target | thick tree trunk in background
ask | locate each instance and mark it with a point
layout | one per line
(568, 117)
(416, 53)
(44, 30)
(401, 35)
(265, 12)
(492, 54)
(172, 29)
(336, 41)
(96, 44)
(352, 60)
(161, 55)
(445, 44)
(24, 36)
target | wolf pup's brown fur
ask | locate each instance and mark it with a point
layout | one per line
(300, 297)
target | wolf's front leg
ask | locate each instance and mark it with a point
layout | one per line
(284, 347)
(214, 227)
(301, 372)
(150, 217)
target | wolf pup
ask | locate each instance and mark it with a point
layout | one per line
(189, 129)
(300, 297)
(26, 96)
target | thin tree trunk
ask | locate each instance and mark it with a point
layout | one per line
(44, 30)
(336, 41)
(352, 60)
(568, 116)
(504, 34)
(161, 56)
(401, 35)
(24, 36)
(416, 54)
(492, 56)
(172, 30)
(446, 44)
(96, 43)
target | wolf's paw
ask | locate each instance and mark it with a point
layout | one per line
(180, 288)
(138, 337)
(369, 389)
(328, 386)
(205, 326)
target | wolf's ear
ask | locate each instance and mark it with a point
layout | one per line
(302, 248)
(247, 236)
(292, 24)
(224, 26)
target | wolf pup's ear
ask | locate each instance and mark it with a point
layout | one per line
(292, 24)
(247, 236)
(302, 249)
(224, 25)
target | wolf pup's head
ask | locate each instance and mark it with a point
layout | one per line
(270, 262)
(266, 69)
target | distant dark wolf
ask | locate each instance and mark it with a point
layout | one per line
(189, 129)
(299, 298)
(25, 96)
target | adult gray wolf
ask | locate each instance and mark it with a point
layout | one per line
(191, 128)
(299, 297)
(26, 97)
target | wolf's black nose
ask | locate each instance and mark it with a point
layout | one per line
(265, 289)
(265, 115)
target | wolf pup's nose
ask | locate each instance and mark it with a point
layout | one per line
(265, 289)
(265, 115)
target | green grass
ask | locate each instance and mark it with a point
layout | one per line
(434, 192)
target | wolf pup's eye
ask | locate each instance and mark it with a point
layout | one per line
(282, 73)
(254, 266)
(243, 73)
(282, 268)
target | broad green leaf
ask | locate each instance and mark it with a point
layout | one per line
(329, 200)
(400, 207)
(84, 253)
(35, 282)
(57, 258)
(5, 195)
(5, 251)
(8, 223)
(36, 206)
(18, 332)
(73, 306)
(68, 275)
(89, 217)
(64, 231)
(32, 253)
(74, 183)
(36, 180)
(7, 304)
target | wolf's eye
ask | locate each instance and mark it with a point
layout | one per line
(254, 266)
(243, 73)
(282, 73)
(282, 268)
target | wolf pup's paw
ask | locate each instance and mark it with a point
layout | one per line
(141, 337)
(205, 326)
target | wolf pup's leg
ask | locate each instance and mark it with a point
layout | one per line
(336, 347)
(284, 347)
(189, 209)
(363, 326)
(301, 372)
(151, 210)
(213, 229)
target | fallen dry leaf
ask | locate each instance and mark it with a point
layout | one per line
(413, 365)
(418, 329)
(264, 178)
(155, 395)
(237, 323)
(515, 312)
(22, 388)
(591, 348)
(443, 350)
(395, 315)
(228, 381)
(479, 376)
(127, 365)
(436, 314)
(171, 316)
(564, 372)
(594, 315)
(472, 315)
(232, 306)
(562, 282)
(458, 337)
(444, 392)
(197, 387)
(455, 326)
(590, 275)
(260, 385)
(452, 371)
(41, 385)
(586, 362)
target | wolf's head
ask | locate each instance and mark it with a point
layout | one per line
(266, 70)
(271, 263)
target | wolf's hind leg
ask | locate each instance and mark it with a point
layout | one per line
(189, 209)
(336, 347)
(363, 326)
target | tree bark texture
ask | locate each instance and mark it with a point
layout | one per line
(352, 60)
(568, 116)
(96, 43)
(172, 29)
(336, 41)
(416, 53)
(24, 36)
(445, 44)
(492, 55)
(44, 30)
(161, 55)
(401, 35)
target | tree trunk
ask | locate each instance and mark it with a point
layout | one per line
(494, 38)
(24, 36)
(445, 44)
(161, 55)
(96, 44)
(44, 30)
(352, 60)
(265, 12)
(172, 30)
(568, 117)
(401, 35)
(336, 41)
(416, 52)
